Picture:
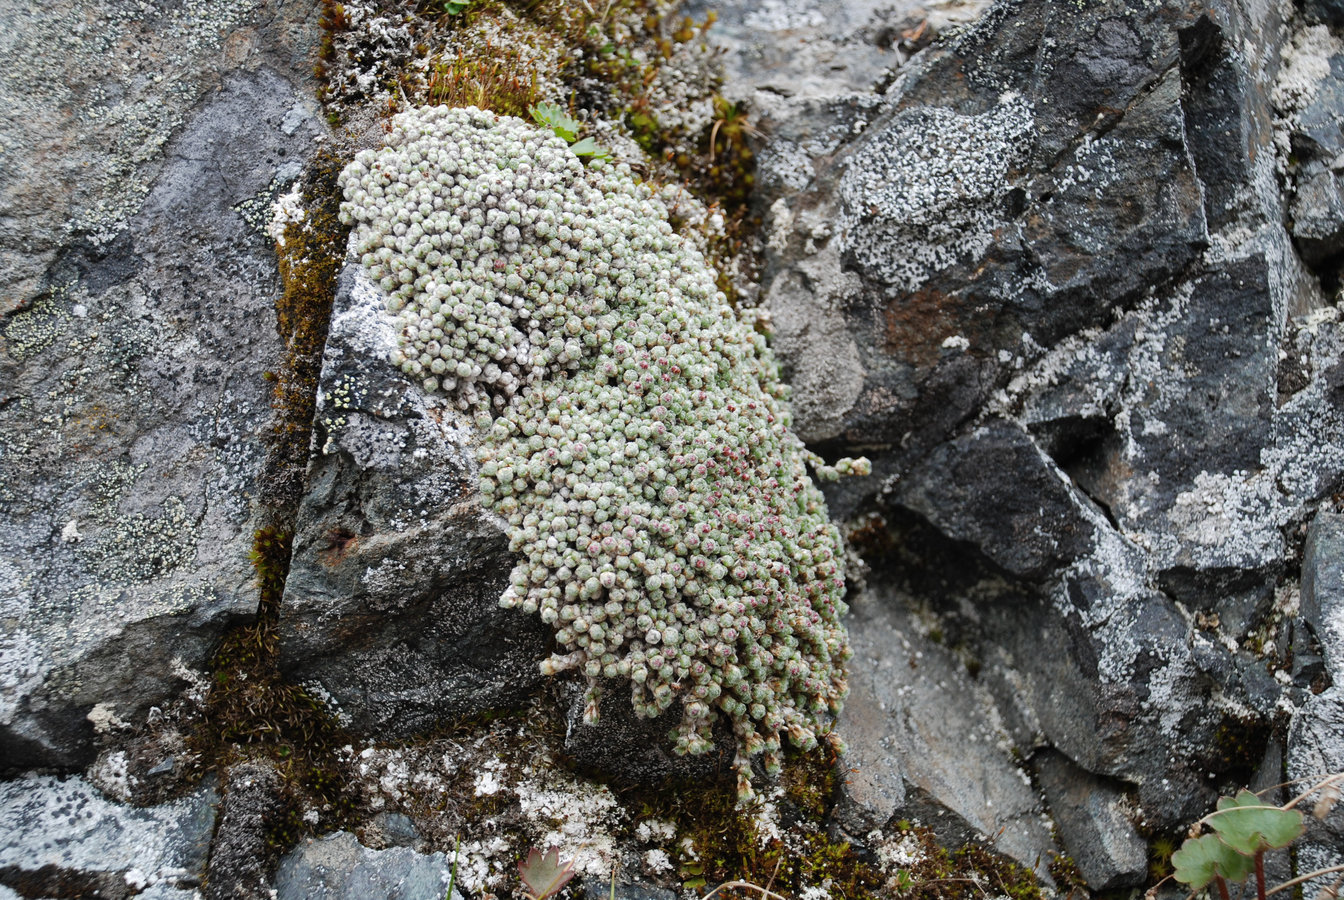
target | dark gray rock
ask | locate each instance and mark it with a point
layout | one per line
(1317, 139)
(126, 517)
(1046, 284)
(391, 829)
(1330, 12)
(392, 599)
(1316, 736)
(241, 859)
(631, 750)
(911, 702)
(996, 490)
(1322, 599)
(1090, 811)
(57, 835)
(338, 867)
(597, 889)
(1005, 175)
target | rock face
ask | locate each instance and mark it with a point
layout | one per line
(910, 700)
(1316, 741)
(138, 321)
(392, 601)
(1040, 274)
(1067, 272)
(61, 837)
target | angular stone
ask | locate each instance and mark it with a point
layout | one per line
(1322, 598)
(1317, 207)
(1001, 200)
(1316, 736)
(392, 599)
(240, 855)
(62, 832)
(632, 750)
(995, 490)
(1090, 812)
(338, 867)
(1315, 750)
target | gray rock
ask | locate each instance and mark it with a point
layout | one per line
(1316, 749)
(1318, 212)
(393, 830)
(924, 742)
(1329, 11)
(128, 516)
(597, 889)
(62, 832)
(240, 855)
(337, 867)
(1316, 736)
(1317, 206)
(991, 180)
(812, 75)
(1090, 811)
(72, 181)
(1322, 599)
(392, 599)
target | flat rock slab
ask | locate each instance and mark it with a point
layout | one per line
(57, 832)
(338, 867)
(1097, 832)
(910, 703)
(143, 148)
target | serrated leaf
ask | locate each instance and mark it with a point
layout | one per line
(556, 119)
(1200, 859)
(589, 147)
(1249, 825)
(543, 874)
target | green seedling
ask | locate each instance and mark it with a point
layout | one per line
(566, 127)
(1244, 828)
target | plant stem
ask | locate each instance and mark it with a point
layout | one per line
(745, 885)
(1313, 789)
(1301, 878)
(1260, 874)
(1222, 887)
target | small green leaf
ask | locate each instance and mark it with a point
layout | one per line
(556, 119)
(694, 884)
(1200, 859)
(1249, 825)
(589, 147)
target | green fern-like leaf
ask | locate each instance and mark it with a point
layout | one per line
(553, 117)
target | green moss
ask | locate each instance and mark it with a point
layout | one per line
(1068, 878)
(251, 710)
(972, 870)
(1160, 850)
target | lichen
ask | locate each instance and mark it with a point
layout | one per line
(634, 434)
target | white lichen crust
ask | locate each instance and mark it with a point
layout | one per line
(634, 434)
